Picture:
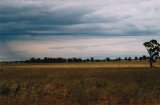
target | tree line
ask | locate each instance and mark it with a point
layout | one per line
(74, 59)
(92, 59)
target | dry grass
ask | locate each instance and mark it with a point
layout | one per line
(113, 83)
(111, 64)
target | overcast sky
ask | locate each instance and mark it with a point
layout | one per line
(77, 28)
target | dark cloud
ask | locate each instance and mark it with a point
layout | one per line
(70, 19)
(39, 20)
(17, 21)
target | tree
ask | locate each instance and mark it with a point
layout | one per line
(92, 59)
(144, 57)
(153, 48)
(119, 59)
(108, 59)
(129, 59)
(140, 58)
(125, 58)
(135, 58)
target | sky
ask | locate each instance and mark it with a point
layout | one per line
(77, 28)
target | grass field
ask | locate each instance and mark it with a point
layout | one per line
(97, 83)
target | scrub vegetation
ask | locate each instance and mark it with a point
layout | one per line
(80, 84)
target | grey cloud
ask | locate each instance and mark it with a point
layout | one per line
(39, 20)
(55, 17)
(18, 21)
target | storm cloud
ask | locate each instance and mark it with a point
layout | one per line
(23, 20)
(61, 17)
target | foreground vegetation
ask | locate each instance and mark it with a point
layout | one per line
(31, 84)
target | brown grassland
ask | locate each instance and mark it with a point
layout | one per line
(96, 83)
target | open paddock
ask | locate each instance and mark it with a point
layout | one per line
(97, 83)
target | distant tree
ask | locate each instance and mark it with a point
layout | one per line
(38, 60)
(153, 48)
(92, 59)
(140, 58)
(129, 59)
(144, 57)
(69, 60)
(125, 58)
(119, 59)
(135, 58)
(45, 60)
(108, 59)
(32, 60)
